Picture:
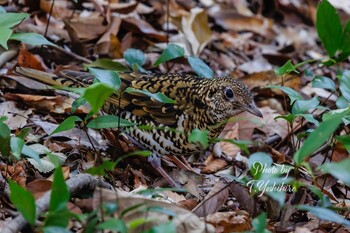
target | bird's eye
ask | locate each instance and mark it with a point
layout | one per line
(229, 93)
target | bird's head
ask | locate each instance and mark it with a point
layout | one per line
(229, 97)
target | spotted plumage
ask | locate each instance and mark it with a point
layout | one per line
(200, 103)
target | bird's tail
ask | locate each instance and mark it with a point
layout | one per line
(65, 79)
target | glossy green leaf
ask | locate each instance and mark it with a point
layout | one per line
(172, 51)
(323, 82)
(113, 224)
(31, 38)
(339, 170)
(292, 94)
(257, 162)
(16, 144)
(310, 118)
(157, 96)
(58, 219)
(109, 121)
(344, 85)
(143, 153)
(168, 227)
(5, 134)
(287, 68)
(23, 133)
(319, 136)
(260, 223)
(101, 170)
(29, 152)
(201, 69)
(108, 64)
(135, 58)
(108, 77)
(55, 229)
(341, 102)
(7, 22)
(97, 94)
(329, 27)
(24, 201)
(67, 124)
(345, 140)
(325, 214)
(302, 106)
(59, 192)
(199, 136)
(345, 41)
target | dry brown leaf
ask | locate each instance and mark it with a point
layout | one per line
(29, 60)
(243, 197)
(188, 204)
(213, 201)
(123, 8)
(230, 20)
(15, 172)
(196, 30)
(60, 9)
(226, 222)
(39, 186)
(82, 26)
(141, 26)
(109, 42)
(16, 118)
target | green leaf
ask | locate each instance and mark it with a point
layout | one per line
(325, 214)
(319, 136)
(3, 118)
(67, 124)
(24, 201)
(344, 85)
(29, 152)
(5, 134)
(31, 38)
(108, 77)
(329, 27)
(199, 136)
(23, 133)
(157, 96)
(259, 223)
(108, 64)
(143, 153)
(345, 41)
(287, 68)
(345, 140)
(55, 229)
(97, 94)
(59, 192)
(113, 225)
(109, 121)
(101, 169)
(172, 51)
(7, 22)
(135, 58)
(168, 227)
(292, 94)
(339, 170)
(58, 219)
(323, 82)
(302, 106)
(16, 144)
(310, 118)
(201, 69)
(341, 102)
(257, 162)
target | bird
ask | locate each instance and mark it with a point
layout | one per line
(199, 103)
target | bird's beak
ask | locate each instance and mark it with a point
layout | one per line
(253, 109)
